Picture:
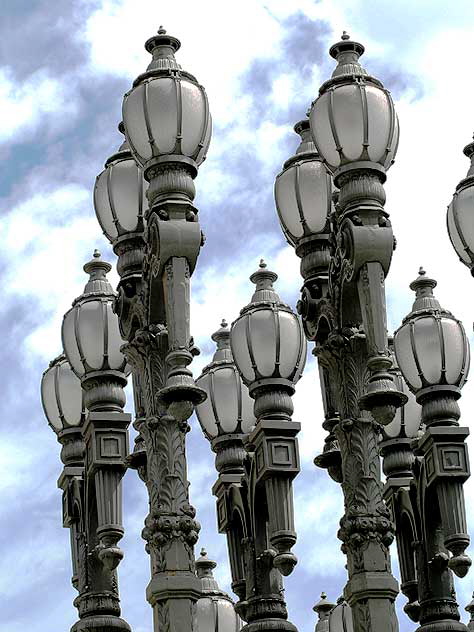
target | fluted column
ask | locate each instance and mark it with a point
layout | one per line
(366, 529)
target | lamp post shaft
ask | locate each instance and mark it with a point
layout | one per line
(366, 529)
(154, 314)
(160, 350)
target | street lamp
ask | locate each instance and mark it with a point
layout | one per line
(83, 399)
(425, 490)
(459, 220)
(345, 259)
(257, 454)
(330, 203)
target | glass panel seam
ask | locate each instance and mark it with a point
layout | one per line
(238, 385)
(462, 377)
(333, 125)
(179, 115)
(146, 114)
(457, 223)
(443, 350)
(415, 354)
(205, 123)
(105, 319)
(77, 310)
(391, 133)
(111, 201)
(213, 400)
(365, 121)
(299, 204)
(58, 398)
(276, 323)
(249, 347)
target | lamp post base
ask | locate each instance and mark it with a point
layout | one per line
(270, 625)
(101, 623)
(445, 625)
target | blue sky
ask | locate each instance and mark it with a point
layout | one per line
(64, 67)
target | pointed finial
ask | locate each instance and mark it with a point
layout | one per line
(205, 566)
(163, 46)
(423, 286)
(347, 54)
(323, 609)
(97, 284)
(306, 145)
(222, 338)
(469, 152)
(263, 279)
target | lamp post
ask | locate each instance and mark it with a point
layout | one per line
(257, 454)
(345, 255)
(83, 399)
(425, 477)
(167, 125)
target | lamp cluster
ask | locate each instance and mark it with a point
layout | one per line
(383, 396)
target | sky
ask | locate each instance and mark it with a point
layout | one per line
(64, 67)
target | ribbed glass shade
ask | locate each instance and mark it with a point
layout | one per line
(460, 217)
(61, 396)
(431, 345)
(407, 420)
(355, 121)
(167, 115)
(215, 610)
(267, 340)
(432, 350)
(303, 191)
(120, 195)
(90, 330)
(460, 220)
(228, 407)
(215, 614)
(340, 619)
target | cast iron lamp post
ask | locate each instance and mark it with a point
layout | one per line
(433, 354)
(345, 255)
(424, 485)
(83, 399)
(257, 453)
(168, 126)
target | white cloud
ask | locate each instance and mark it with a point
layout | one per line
(23, 106)
(44, 267)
